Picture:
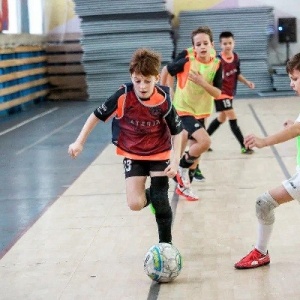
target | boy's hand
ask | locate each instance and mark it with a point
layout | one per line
(252, 141)
(196, 77)
(171, 170)
(75, 149)
(250, 85)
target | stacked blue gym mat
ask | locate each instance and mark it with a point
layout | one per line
(281, 81)
(252, 28)
(112, 31)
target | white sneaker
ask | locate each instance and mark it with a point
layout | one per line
(183, 178)
(187, 193)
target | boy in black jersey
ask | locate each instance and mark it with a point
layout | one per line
(143, 126)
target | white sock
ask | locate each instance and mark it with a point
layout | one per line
(264, 234)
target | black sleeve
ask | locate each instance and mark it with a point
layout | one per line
(106, 109)
(218, 78)
(177, 66)
(173, 121)
(181, 55)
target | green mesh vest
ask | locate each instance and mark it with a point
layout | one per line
(191, 98)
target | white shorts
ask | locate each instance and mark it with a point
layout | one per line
(292, 186)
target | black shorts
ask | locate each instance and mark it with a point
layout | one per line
(134, 167)
(224, 104)
(191, 124)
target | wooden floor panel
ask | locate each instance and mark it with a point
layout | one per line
(89, 245)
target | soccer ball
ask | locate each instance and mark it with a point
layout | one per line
(163, 262)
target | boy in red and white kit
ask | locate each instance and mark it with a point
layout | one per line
(287, 191)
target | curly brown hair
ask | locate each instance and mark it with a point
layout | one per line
(293, 64)
(145, 62)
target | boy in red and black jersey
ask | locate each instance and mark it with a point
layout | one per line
(143, 126)
(231, 75)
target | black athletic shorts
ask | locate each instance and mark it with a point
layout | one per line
(224, 104)
(134, 167)
(191, 124)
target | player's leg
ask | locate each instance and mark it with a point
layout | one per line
(201, 144)
(135, 178)
(220, 106)
(159, 187)
(195, 172)
(187, 192)
(190, 124)
(198, 145)
(231, 115)
(265, 205)
(215, 123)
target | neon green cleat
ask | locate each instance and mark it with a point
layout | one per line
(152, 209)
(247, 151)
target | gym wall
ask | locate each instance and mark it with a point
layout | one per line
(282, 9)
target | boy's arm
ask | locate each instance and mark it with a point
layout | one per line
(177, 143)
(175, 126)
(172, 168)
(248, 83)
(284, 135)
(76, 148)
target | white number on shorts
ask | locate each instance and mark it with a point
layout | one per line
(127, 164)
(226, 103)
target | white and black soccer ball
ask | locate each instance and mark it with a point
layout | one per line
(163, 262)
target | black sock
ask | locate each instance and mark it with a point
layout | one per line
(186, 162)
(237, 132)
(213, 126)
(191, 174)
(164, 224)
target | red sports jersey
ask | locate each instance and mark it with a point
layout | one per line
(142, 128)
(231, 70)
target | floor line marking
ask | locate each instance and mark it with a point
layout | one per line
(29, 120)
(52, 132)
(274, 150)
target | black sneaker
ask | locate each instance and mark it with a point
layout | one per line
(247, 151)
(198, 175)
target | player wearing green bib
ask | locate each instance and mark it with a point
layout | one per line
(199, 81)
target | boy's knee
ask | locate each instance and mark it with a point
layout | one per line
(135, 206)
(136, 203)
(265, 206)
(205, 142)
(221, 118)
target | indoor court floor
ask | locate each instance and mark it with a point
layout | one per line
(67, 233)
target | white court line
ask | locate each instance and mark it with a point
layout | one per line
(51, 133)
(28, 121)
